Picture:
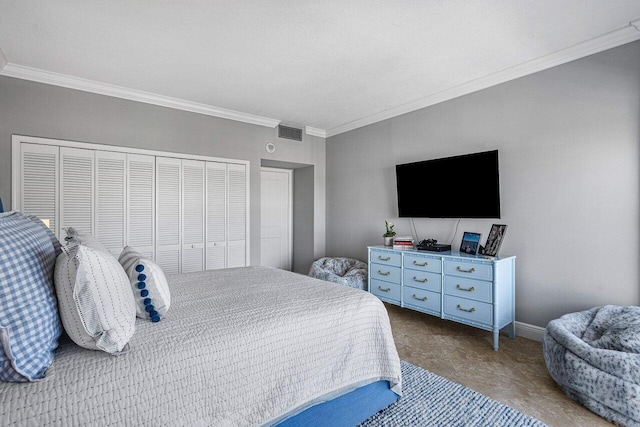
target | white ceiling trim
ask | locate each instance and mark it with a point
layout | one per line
(609, 40)
(41, 76)
(315, 132)
(3, 60)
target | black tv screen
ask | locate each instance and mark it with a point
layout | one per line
(465, 186)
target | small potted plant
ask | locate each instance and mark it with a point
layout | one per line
(388, 235)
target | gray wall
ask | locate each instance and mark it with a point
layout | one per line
(568, 139)
(34, 109)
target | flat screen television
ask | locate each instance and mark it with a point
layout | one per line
(466, 186)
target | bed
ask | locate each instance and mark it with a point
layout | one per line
(243, 346)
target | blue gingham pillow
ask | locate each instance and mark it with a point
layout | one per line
(29, 322)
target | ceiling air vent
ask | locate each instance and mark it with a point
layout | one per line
(289, 133)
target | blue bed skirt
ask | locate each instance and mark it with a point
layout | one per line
(347, 410)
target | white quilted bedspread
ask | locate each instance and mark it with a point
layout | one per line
(239, 347)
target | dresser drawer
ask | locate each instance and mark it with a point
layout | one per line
(468, 288)
(474, 311)
(384, 257)
(469, 269)
(423, 263)
(385, 272)
(386, 291)
(422, 280)
(421, 300)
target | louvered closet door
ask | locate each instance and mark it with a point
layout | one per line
(216, 215)
(193, 173)
(110, 198)
(141, 203)
(168, 213)
(76, 189)
(237, 215)
(39, 182)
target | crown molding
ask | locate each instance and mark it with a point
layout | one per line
(56, 79)
(609, 40)
(315, 132)
(3, 60)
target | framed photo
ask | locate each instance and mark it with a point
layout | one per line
(470, 243)
(494, 240)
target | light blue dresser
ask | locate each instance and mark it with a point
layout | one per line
(452, 285)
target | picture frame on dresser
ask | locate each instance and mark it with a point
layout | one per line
(470, 243)
(494, 240)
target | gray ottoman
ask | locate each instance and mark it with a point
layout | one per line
(344, 271)
(594, 356)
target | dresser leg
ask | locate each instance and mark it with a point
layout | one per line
(496, 337)
(512, 330)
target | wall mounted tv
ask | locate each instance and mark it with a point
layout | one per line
(466, 186)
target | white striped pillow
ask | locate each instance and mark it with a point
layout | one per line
(94, 298)
(149, 284)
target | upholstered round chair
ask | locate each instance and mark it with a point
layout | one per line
(594, 356)
(344, 271)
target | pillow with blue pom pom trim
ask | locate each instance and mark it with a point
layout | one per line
(150, 287)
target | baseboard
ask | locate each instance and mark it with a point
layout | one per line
(532, 332)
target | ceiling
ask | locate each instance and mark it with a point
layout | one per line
(328, 65)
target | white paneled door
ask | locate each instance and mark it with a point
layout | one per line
(236, 215)
(168, 213)
(110, 199)
(141, 198)
(193, 208)
(275, 217)
(39, 182)
(76, 189)
(216, 215)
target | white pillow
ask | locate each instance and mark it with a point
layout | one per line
(149, 284)
(94, 298)
(85, 239)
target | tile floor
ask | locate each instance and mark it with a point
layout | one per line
(515, 375)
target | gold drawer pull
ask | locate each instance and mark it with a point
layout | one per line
(420, 299)
(464, 309)
(384, 259)
(415, 279)
(465, 271)
(471, 289)
(384, 274)
(420, 265)
(384, 290)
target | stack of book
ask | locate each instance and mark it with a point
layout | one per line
(403, 242)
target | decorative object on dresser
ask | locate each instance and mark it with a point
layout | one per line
(455, 286)
(470, 243)
(432, 245)
(403, 242)
(388, 235)
(494, 240)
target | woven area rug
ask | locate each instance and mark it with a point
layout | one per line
(431, 400)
